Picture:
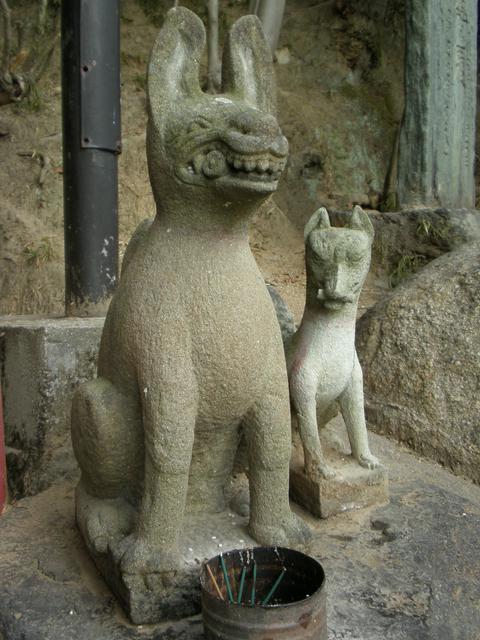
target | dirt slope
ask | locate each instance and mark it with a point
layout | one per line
(339, 74)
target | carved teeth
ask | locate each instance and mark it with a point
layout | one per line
(214, 165)
(252, 164)
(214, 162)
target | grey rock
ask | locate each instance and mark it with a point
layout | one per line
(417, 234)
(420, 351)
(284, 315)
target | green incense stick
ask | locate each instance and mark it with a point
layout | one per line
(242, 583)
(225, 576)
(274, 587)
(254, 580)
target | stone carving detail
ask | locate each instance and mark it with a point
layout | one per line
(322, 362)
(191, 348)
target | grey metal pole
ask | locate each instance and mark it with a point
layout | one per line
(91, 143)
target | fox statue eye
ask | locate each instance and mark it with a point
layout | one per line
(355, 258)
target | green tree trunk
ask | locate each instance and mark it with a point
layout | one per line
(437, 141)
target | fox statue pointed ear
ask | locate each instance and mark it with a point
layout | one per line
(361, 222)
(319, 220)
(173, 69)
(247, 67)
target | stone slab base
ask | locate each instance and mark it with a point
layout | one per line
(353, 488)
(152, 599)
(158, 597)
(42, 361)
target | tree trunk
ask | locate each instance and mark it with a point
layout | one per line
(270, 13)
(437, 142)
(213, 55)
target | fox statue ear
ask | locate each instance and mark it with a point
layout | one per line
(247, 70)
(173, 69)
(361, 222)
(319, 220)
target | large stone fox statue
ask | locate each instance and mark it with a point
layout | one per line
(191, 347)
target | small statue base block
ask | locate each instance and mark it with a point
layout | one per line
(354, 487)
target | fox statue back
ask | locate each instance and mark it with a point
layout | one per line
(191, 353)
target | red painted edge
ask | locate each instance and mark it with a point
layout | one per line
(3, 463)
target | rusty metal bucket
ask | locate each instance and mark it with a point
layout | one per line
(295, 610)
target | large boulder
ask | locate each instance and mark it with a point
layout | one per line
(420, 351)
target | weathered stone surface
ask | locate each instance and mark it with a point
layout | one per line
(284, 315)
(420, 351)
(408, 571)
(437, 142)
(352, 487)
(154, 597)
(191, 350)
(42, 362)
(322, 364)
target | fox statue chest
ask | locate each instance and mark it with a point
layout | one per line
(173, 295)
(322, 356)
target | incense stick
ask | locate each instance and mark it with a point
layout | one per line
(215, 583)
(225, 576)
(274, 587)
(254, 580)
(242, 583)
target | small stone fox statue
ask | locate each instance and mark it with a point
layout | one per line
(322, 363)
(191, 351)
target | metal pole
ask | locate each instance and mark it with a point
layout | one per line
(91, 143)
(3, 463)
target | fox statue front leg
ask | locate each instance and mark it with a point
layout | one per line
(268, 437)
(352, 406)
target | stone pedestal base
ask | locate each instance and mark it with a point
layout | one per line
(43, 362)
(165, 597)
(153, 598)
(353, 488)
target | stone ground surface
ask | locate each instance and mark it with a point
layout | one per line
(406, 571)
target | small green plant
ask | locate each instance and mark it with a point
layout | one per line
(37, 254)
(132, 59)
(33, 101)
(440, 233)
(140, 81)
(406, 266)
(154, 11)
